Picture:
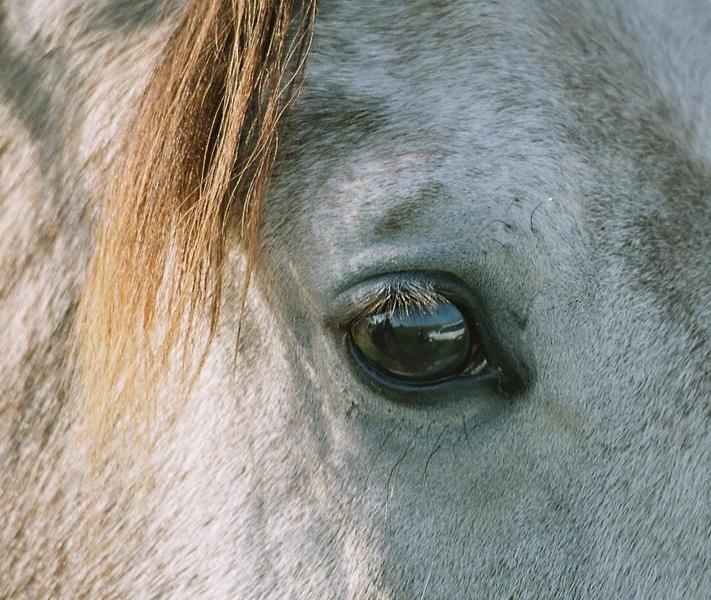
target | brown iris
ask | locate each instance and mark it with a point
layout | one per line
(415, 344)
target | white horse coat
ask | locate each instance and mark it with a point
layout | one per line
(551, 160)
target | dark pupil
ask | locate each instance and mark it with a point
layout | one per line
(415, 345)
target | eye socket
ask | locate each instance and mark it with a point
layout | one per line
(418, 344)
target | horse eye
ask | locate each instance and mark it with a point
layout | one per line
(416, 345)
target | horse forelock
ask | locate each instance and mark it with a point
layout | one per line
(195, 159)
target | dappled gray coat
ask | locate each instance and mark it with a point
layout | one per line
(533, 176)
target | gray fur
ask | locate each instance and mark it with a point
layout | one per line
(555, 156)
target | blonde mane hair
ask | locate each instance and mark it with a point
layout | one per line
(195, 158)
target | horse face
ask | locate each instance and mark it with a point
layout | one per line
(538, 170)
(531, 159)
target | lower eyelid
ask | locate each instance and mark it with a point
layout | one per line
(454, 383)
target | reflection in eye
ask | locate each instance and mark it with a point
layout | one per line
(420, 343)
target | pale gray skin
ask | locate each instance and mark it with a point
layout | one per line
(554, 156)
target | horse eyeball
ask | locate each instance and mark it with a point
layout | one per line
(419, 345)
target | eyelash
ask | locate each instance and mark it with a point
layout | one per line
(403, 298)
(393, 295)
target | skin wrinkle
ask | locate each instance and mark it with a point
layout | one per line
(283, 473)
(390, 485)
(409, 215)
(375, 459)
(435, 448)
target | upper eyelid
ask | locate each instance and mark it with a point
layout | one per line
(399, 294)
